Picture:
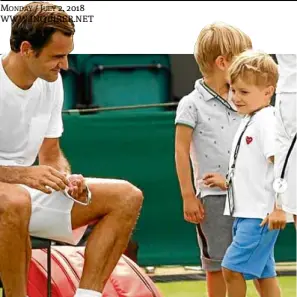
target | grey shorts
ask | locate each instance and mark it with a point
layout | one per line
(214, 234)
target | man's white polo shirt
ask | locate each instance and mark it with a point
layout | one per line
(253, 176)
(27, 117)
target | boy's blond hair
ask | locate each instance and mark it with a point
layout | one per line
(219, 39)
(255, 68)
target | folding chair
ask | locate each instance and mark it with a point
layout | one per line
(40, 243)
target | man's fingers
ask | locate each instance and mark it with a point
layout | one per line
(75, 192)
(59, 175)
(60, 185)
(52, 185)
(80, 185)
(44, 189)
(77, 179)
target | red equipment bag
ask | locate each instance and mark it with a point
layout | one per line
(126, 280)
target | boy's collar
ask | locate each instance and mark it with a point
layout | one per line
(204, 90)
(208, 94)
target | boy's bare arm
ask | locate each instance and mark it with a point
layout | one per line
(277, 219)
(183, 139)
(192, 207)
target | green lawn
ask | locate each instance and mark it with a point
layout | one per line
(198, 289)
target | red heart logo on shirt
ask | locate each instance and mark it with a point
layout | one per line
(249, 139)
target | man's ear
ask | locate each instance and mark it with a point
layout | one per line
(26, 49)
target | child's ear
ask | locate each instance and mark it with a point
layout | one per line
(221, 63)
(269, 91)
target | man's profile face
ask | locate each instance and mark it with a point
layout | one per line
(52, 58)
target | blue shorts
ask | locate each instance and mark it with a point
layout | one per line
(252, 249)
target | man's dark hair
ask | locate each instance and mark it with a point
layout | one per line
(36, 23)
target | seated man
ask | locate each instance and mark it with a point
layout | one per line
(38, 200)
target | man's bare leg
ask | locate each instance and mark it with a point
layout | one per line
(295, 221)
(28, 256)
(15, 212)
(117, 205)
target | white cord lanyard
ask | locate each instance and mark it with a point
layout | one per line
(230, 174)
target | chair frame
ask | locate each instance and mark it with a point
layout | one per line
(41, 243)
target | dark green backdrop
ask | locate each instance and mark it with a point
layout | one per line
(139, 147)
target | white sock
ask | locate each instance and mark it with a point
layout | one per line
(87, 293)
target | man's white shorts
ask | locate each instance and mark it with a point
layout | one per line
(51, 217)
(286, 129)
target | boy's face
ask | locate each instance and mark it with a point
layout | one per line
(249, 98)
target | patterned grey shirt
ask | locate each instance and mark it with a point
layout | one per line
(215, 123)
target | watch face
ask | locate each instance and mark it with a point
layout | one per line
(280, 185)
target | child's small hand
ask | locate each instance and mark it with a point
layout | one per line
(215, 180)
(193, 210)
(276, 220)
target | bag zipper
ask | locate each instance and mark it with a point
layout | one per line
(140, 276)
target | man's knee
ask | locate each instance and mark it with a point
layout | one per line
(15, 203)
(132, 198)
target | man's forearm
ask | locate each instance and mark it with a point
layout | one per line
(12, 174)
(59, 162)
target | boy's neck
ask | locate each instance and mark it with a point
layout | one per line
(258, 109)
(218, 85)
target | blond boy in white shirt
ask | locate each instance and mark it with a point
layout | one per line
(253, 77)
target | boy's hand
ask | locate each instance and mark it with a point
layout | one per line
(193, 210)
(276, 220)
(214, 180)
